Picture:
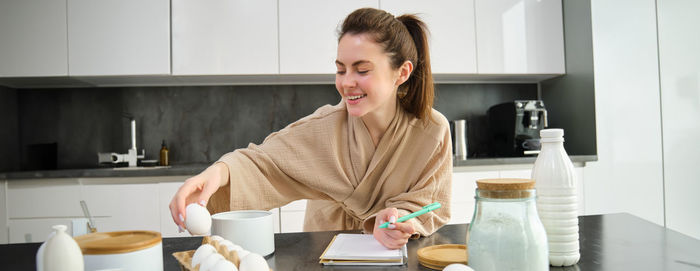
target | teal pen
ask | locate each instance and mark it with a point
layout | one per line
(425, 209)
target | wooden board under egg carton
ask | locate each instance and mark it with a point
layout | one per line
(184, 258)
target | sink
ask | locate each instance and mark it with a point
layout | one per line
(139, 168)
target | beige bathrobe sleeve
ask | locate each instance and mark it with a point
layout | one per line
(329, 158)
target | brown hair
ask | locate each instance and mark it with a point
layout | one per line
(403, 38)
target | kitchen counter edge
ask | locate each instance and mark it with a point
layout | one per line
(193, 169)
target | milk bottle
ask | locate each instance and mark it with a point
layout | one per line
(557, 205)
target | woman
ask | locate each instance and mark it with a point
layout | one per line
(380, 154)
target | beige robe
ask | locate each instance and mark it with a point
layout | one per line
(329, 158)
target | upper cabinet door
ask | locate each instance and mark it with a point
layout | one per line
(451, 27)
(118, 37)
(519, 37)
(33, 38)
(224, 37)
(308, 33)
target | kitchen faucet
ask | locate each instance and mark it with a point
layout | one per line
(131, 156)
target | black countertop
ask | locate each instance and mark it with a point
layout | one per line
(608, 242)
(193, 169)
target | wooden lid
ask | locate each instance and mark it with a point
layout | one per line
(439, 256)
(505, 184)
(117, 242)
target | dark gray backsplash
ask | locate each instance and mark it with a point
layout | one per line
(9, 141)
(199, 123)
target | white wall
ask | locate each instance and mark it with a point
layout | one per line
(679, 55)
(628, 175)
(3, 213)
(647, 111)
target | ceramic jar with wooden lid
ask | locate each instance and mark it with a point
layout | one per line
(506, 232)
(126, 250)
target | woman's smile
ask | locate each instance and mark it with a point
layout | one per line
(355, 99)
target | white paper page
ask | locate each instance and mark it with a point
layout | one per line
(360, 247)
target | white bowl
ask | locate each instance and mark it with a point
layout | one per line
(122, 250)
(252, 230)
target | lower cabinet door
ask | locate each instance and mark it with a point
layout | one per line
(35, 230)
(122, 207)
(463, 192)
(292, 221)
(292, 216)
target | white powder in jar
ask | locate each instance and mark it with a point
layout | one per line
(503, 242)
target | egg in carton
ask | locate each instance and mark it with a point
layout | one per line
(212, 253)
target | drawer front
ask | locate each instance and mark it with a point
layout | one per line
(35, 230)
(46, 198)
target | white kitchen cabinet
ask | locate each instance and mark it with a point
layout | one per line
(463, 192)
(516, 173)
(224, 37)
(451, 27)
(121, 207)
(292, 216)
(42, 198)
(580, 193)
(118, 37)
(679, 63)
(308, 37)
(629, 174)
(35, 230)
(519, 37)
(34, 38)
(3, 213)
(276, 219)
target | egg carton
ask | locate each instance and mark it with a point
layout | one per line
(184, 258)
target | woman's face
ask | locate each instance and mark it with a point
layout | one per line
(364, 76)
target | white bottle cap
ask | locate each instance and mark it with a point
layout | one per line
(551, 133)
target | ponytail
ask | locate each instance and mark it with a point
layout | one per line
(404, 38)
(418, 92)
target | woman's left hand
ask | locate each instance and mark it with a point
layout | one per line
(396, 234)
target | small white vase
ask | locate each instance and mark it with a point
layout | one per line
(61, 252)
(40, 253)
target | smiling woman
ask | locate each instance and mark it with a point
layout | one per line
(379, 154)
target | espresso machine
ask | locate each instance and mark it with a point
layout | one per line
(515, 127)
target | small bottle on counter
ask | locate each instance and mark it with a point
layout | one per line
(164, 161)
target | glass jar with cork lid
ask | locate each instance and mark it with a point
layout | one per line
(505, 232)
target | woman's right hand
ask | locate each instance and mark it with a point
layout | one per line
(197, 189)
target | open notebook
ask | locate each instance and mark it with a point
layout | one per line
(361, 249)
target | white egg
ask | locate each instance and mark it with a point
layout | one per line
(198, 219)
(225, 243)
(224, 265)
(216, 238)
(211, 261)
(202, 253)
(457, 267)
(229, 245)
(242, 253)
(234, 248)
(253, 262)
